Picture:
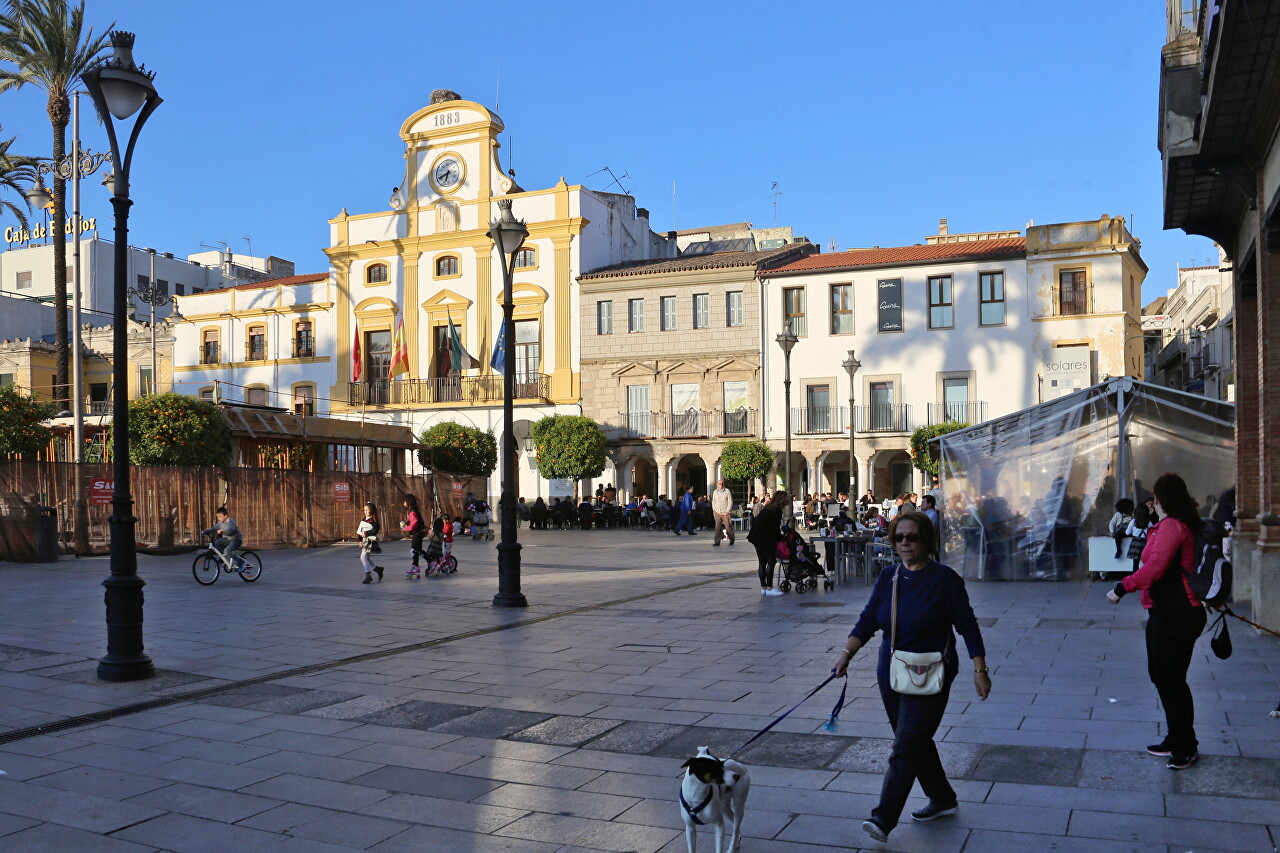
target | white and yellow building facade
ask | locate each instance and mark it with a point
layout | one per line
(427, 261)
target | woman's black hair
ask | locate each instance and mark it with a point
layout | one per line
(1176, 501)
(373, 507)
(1142, 516)
(437, 526)
(412, 501)
(1124, 506)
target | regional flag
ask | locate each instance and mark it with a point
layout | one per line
(459, 358)
(399, 353)
(499, 360)
(355, 356)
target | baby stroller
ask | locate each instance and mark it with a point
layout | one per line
(800, 567)
(480, 519)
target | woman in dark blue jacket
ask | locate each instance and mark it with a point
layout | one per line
(932, 603)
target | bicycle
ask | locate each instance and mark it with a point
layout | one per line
(206, 567)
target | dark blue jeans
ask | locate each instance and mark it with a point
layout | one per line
(915, 720)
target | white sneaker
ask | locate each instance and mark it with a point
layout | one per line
(764, 592)
(773, 592)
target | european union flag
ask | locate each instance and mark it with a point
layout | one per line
(499, 360)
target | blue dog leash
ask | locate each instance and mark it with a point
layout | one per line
(830, 725)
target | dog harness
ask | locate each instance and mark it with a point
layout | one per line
(693, 812)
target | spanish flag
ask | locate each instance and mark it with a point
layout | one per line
(399, 353)
(356, 361)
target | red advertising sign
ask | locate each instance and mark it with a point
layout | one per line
(100, 492)
(342, 493)
(457, 491)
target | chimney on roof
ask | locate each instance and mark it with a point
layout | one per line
(642, 213)
(942, 227)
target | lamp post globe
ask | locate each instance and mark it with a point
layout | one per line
(852, 366)
(787, 339)
(119, 89)
(508, 235)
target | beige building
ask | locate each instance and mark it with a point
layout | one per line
(671, 360)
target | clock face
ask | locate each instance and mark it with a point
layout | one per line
(447, 174)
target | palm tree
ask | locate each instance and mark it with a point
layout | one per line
(49, 48)
(15, 170)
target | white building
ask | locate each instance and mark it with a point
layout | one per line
(965, 327)
(28, 271)
(1191, 347)
(269, 344)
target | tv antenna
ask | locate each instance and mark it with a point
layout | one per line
(248, 238)
(616, 180)
(833, 246)
(774, 195)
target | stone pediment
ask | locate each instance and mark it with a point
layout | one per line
(635, 368)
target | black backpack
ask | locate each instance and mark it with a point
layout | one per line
(1210, 580)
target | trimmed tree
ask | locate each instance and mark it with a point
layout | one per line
(746, 460)
(458, 449)
(174, 429)
(22, 431)
(922, 452)
(569, 447)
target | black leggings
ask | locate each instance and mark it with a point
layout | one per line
(416, 548)
(1171, 640)
(768, 556)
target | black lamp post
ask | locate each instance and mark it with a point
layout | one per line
(851, 366)
(508, 235)
(787, 340)
(119, 88)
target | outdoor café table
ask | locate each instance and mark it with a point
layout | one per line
(845, 552)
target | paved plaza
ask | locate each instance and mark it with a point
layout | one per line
(308, 712)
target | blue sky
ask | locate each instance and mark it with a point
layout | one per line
(875, 119)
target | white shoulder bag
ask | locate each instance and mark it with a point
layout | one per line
(912, 673)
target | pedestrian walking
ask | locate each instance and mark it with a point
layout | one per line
(686, 513)
(919, 603)
(367, 532)
(1175, 617)
(416, 527)
(765, 532)
(721, 506)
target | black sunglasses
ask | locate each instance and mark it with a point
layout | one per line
(908, 537)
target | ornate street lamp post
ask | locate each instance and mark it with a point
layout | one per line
(787, 340)
(153, 297)
(851, 366)
(508, 235)
(119, 88)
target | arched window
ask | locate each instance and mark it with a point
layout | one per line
(256, 395)
(526, 258)
(206, 394)
(209, 349)
(304, 400)
(304, 342)
(446, 217)
(375, 273)
(447, 266)
(255, 347)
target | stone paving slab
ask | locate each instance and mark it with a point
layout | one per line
(573, 742)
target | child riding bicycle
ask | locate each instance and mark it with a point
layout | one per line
(228, 538)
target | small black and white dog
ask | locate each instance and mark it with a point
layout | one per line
(714, 793)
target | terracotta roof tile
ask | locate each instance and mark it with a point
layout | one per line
(259, 285)
(720, 260)
(977, 250)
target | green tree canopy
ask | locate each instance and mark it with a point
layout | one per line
(745, 460)
(17, 173)
(569, 447)
(459, 449)
(174, 429)
(921, 452)
(22, 432)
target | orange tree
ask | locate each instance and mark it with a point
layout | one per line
(458, 449)
(570, 447)
(22, 432)
(173, 429)
(922, 452)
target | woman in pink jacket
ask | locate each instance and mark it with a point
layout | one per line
(1175, 617)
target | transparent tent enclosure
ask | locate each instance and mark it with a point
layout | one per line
(1023, 494)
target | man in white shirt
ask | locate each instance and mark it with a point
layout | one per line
(721, 505)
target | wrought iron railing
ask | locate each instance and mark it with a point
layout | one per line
(255, 350)
(820, 420)
(964, 411)
(691, 423)
(882, 418)
(445, 389)
(305, 348)
(210, 353)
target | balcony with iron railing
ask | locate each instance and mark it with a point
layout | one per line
(691, 423)
(882, 417)
(457, 390)
(1176, 348)
(255, 349)
(820, 420)
(962, 411)
(304, 347)
(210, 353)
